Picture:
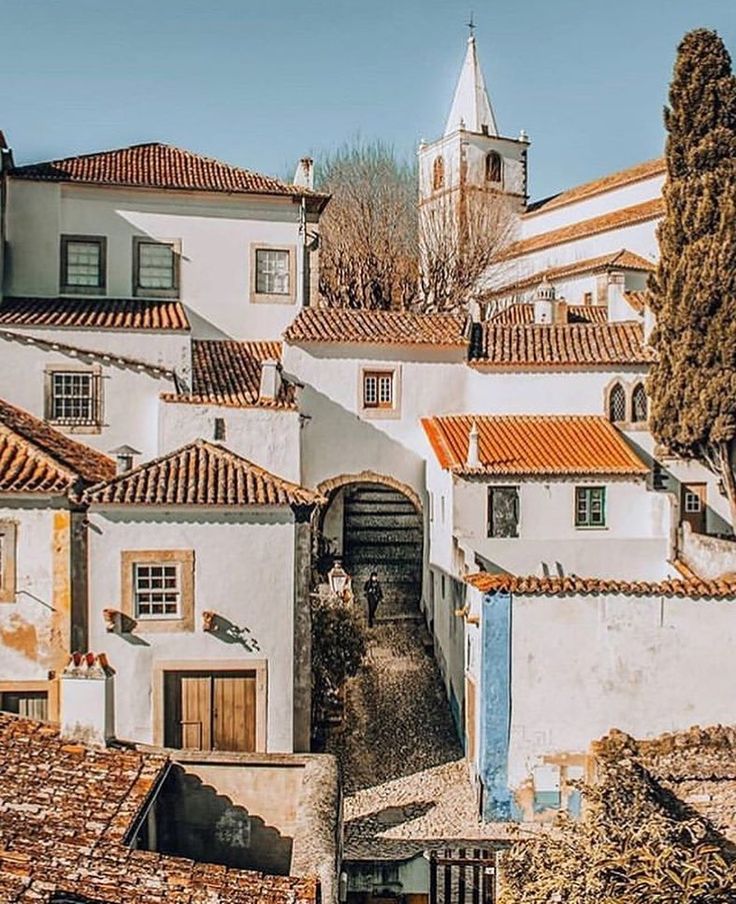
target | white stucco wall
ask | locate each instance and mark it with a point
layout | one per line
(123, 423)
(634, 545)
(244, 571)
(215, 230)
(264, 436)
(581, 666)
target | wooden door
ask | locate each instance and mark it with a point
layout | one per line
(693, 504)
(210, 710)
(234, 717)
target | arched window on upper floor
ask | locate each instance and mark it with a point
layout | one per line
(438, 173)
(617, 403)
(639, 404)
(494, 167)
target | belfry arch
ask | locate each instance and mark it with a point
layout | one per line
(373, 522)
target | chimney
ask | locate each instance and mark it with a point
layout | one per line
(87, 700)
(473, 459)
(270, 380)
(304, 175)
(124, 458)
(618, 307)
(544, 303)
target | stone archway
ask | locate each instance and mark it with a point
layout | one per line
(374, 523)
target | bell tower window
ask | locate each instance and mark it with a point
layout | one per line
(438, 173)
(493, 167)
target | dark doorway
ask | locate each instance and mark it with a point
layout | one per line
(210, 710)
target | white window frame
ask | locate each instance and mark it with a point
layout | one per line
(91, 424)
(384, 400)
(266, 297)
(138, 591)
(687, 503)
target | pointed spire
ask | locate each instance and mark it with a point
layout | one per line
(471, 104)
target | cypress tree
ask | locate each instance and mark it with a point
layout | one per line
(692, 386)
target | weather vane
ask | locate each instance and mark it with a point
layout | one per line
(471, 24)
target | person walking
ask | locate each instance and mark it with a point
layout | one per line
(374, 595)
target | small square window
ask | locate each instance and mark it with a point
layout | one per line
(693, 503)
(74, 398)
(590, 506)
(155, 268)
(157, 589)
(378, 389)
(83, 264)
(273, 271)
(503, 511)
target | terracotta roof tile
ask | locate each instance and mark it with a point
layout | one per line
(522, 314)
(95, 313)
(616, 219)
(66, 811)
(559, 345)
(637, 300)
(533, 445)
(156, 165)
(36, 458)
(200, 473)
(572, 585)
(226, 372)
(619, 260)
(612, 181)
(314, 325)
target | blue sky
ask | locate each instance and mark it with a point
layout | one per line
(259, 83)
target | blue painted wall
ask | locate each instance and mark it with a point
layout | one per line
(495, 716)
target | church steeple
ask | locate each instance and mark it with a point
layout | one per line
(471, 107)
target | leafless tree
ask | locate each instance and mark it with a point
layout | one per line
(381, 249)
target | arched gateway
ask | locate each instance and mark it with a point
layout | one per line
(374, 523)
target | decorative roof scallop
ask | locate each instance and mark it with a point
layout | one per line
(539, 445)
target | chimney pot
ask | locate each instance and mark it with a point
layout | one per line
(473, 459)
(304, 175)
(87, 699)
(270, 380)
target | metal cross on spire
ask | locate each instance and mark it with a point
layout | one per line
(471, 25)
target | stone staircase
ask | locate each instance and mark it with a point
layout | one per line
(383, 533)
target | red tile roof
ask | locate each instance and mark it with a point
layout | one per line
(572, 585)
(65, 815)
(95, 313)
(156, 165)
(637, 300)
(226, 372)
(637, 173)
(345, 325)
(616, 219)
(522, 314)
(539, 445)
(200, 473)
(618, 260)
(559, 345)
(36, 458)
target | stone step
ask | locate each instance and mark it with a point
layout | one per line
(374, 536)
(366, 555)
(376, 494)
(357, 520)
(390, 507)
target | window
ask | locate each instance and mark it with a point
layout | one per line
(158, 589)
(29, 704)
(7, 561)
(590, 506)
(493, 167)
(588, 298)
(639, 404)
(74, 397)
(438, 173)
(272, 271)
(220, 431)
(378, 389)
(155, 268)
(124, 462)
(83, 264)
(693, 503)
(617, 403)
(503, 512)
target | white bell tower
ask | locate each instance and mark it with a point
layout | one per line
(472, 155)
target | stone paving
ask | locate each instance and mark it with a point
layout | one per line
(405, 779)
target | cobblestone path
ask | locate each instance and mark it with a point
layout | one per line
(404, 775)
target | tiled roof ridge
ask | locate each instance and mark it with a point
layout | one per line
(63, 471)
(261, 182)
(65, 454)
(610, 182)
(93, 493)
(574, 585)
(76, 351)
(627, 260)
(521, 313)
(623, 216)
(359, 326)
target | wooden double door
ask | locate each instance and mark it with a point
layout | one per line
(210, 710)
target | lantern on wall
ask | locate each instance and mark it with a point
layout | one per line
(339, 579)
